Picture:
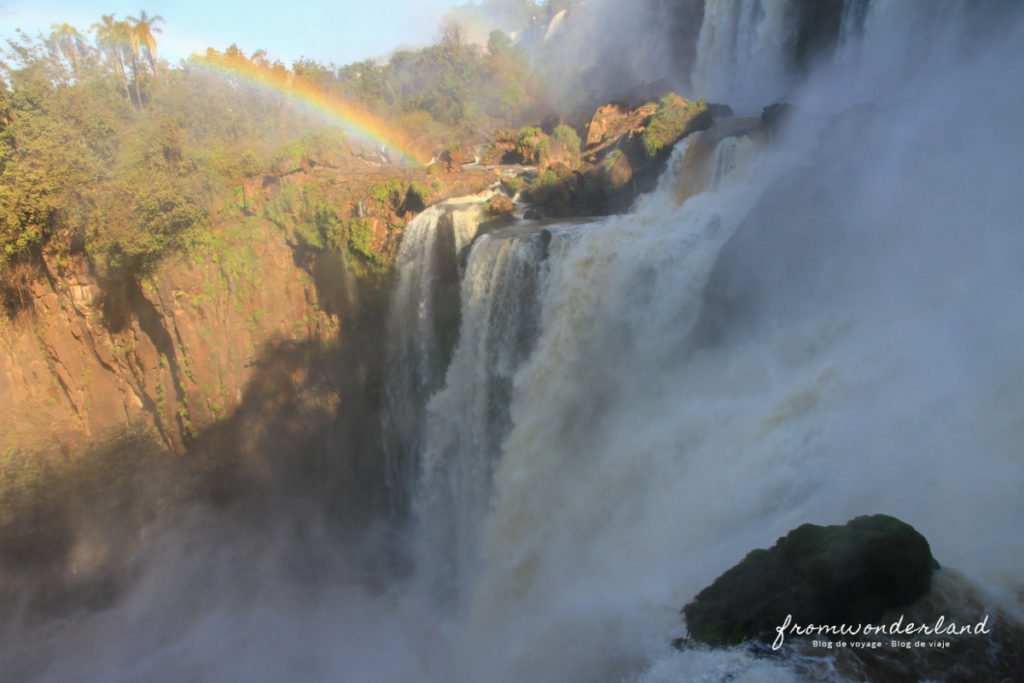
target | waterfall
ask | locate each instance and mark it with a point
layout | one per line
(744, 52)
(593, 432)
(468, 419)
(866, 359)
(749, 51)
(421, 330)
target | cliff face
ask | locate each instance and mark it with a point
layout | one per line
(175, 352)
(299, 263)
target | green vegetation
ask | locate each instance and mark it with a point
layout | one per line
(674, 118)
(545, 181)
(568, 137)
(532, 145)
(109, 152)
(514, 184)
(361, 241)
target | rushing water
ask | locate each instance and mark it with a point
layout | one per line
(805, 326)
(868, 361)
(421, 327)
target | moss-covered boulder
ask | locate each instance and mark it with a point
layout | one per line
(499, 206)
(556, 191)
(674, 118)
(624, 153)
(832, 575)
(502, 148)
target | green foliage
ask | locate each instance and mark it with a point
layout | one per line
(568, 136)
(305, 211)
(512, 99)
(533, 145)
(106, 151)
(545, 181)
(453, 82)
(418, 195)
(514, 183)
(248, 164)
(528, 132)
(361, 240)
(674, 118)
(391, 192)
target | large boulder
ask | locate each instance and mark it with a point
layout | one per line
(675, 118)
(775, 115)
(831, 575)
(609, 120)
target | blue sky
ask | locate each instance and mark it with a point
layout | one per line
(342, 31)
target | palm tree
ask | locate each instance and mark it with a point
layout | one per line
(142, 36)
(70, 42)
(110, 36)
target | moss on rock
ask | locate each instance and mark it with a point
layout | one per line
(675, 118)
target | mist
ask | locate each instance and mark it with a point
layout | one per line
(833, 327)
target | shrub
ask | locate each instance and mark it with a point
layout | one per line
(532, 145)
(567, 136)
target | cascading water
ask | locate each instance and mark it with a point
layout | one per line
(501, 293)
(468, 419)
(744, 52)
(594, 442)
(643, 457)
(421, 327)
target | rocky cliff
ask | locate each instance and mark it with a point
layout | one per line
(172, 352)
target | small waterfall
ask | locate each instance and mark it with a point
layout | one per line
(745, 52)
(422, 328)
(468, 419)
(706, 160)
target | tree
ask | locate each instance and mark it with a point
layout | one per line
(71, 44)
(110, 36)
(142, 36)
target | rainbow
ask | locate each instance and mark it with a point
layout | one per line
(281, 81)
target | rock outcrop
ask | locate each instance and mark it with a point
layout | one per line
(834, 575)
(173, 351)
(84, 354)
(623, 154)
